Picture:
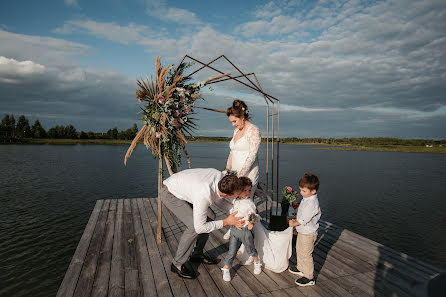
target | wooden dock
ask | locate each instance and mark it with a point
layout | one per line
(118, 256)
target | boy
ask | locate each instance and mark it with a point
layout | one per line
(246, 209)
(306, 223)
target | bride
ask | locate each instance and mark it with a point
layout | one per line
(274, 247)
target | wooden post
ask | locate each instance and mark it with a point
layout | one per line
(160, 180)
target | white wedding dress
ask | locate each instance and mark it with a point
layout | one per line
(274, 247)
(244, 154)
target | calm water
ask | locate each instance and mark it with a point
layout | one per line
(47, 193)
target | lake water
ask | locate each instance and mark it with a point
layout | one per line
(47, 193)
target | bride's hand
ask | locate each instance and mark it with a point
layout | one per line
(232, 220)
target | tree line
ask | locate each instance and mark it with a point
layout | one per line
(11, 130)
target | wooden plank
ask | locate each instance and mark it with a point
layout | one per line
(146, 267)
(234, 288)
(149, 223)
(116, 283)
(71, 277)
(375, 258)
(378, 249)
(266, 283)
(86, 278)
(194, 286)
(100, 286)
(131, 272)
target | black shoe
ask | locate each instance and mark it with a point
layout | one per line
(303, 282)
(294, 270)
(184, 272)
(203, 259)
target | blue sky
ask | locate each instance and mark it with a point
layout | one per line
(339, 68)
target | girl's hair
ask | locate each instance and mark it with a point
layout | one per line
(238, 109)
(309, 181)
(246, 181)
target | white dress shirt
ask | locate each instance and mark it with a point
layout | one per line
(308, 215)
(200, 188)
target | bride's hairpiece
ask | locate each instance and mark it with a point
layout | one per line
(243, 108)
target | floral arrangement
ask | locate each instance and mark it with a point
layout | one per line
(229, 172)
(253, 218)
(169, 102)
(288, 195)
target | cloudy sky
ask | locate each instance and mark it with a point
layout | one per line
(339, 68)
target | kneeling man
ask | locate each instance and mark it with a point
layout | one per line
(188, 194)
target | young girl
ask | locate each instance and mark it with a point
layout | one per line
(246, 209)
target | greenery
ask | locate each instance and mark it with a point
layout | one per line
(20, 131)
(11, 132)
(288, 195)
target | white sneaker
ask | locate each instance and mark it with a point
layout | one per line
(247, 262)
(257, 267)
(227, 235)
(226, 274)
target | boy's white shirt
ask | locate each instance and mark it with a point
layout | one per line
(308, 215)
(245, 207)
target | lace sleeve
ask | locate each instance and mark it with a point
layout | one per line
(254, 139)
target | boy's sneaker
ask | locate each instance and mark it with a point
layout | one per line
(226, 274)
(303, 282)
(294, 270)
(257, 267)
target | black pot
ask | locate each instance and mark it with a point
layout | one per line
(285, 207)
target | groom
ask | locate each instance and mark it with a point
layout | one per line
(188, 194)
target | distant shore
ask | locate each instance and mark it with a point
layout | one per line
(439, 148)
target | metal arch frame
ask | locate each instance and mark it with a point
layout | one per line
(271, 101)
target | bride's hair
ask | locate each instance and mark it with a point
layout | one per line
(238, 109)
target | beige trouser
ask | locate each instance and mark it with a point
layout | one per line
(304, 252)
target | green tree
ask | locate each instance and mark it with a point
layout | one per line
(83, 135)
(22, 128)
(70, 132)
(37, 130)
(5, 126)
(113, 133)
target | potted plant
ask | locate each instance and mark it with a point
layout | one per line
(288, 196)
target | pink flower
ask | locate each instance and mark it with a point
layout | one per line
(187, 109)
(180, 90)
(157, 135)
(295, 192)
(176, 124)
(161, 99)
(289, 188)
(177, 114)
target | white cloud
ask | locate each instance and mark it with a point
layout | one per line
(160, 10)
(40, 49)
(130, 33)
(71, 3)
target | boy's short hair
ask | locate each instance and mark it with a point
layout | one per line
(246, 181)
(229, 184)
(309, 181)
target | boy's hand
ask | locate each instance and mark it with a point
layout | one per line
(293, 223)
